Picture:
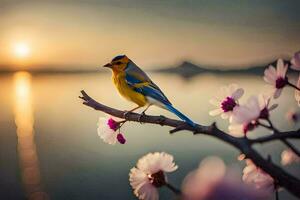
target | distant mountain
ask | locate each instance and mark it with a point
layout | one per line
(187, 69)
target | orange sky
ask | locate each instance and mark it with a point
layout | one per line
(87, 35)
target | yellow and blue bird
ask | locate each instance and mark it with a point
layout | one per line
(134, 85)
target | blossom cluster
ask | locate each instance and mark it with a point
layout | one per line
(246, 117)
(211, 180)
(108, 130)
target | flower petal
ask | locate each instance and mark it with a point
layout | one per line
(237, 94)
(214, 102)
(289, 157)
(154, 162)
(277, 93)
(280, 67)
(285, 68)
(236, 130)
(108, 135)
(270, 75)
(216, 112)
(225, 115)
(271, 71)
(273, 107)
(255, 176)
(296, 61)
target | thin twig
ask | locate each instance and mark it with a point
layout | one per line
(275, 185)
(265, 126)
(291, 146)
(284, 140)
(122, 123)
(173, 189)
(272, 126)
(293, 86)
(282, 135)
(276, 193)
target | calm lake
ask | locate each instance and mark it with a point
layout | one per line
(48, 139)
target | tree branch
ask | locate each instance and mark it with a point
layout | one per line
(291, 146)
(284, 140)
(283, 178)
(278, 136)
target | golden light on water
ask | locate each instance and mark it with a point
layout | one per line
(24, 119)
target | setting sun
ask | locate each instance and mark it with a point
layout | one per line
(21, 50)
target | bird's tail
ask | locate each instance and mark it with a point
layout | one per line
(180, 115)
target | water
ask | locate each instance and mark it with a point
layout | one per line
(59, 144)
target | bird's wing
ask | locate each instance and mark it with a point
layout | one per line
(140, 82)
(132, 68)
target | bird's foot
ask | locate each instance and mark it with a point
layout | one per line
(126, 113)
(141, 116)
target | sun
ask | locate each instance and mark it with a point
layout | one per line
(21, 50)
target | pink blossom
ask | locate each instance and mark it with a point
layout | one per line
(199, 183)
(112, 124)
(121, 139)
(245, 117)
(256, 177)
(295, 61)
(213, 181)
(297, 92)
(265, 106)
(149, 174)
(289, 157)
(107, 130)
(292, 116)
(277, 77)
(226, 100)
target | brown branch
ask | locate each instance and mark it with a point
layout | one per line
(283, 178)
(279, 136)
(284, 140)
(293, 86)
(291, 146)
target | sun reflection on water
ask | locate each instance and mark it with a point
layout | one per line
(24, 119)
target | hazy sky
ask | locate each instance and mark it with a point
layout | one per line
(151, 32)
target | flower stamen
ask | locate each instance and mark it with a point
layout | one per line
(112, 124)
(281, 82)
(228, 104)
(157, 179)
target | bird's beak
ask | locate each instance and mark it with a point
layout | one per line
(108, 65)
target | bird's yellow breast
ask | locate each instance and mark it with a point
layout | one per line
(126, 91)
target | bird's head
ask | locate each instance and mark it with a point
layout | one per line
(118, 63)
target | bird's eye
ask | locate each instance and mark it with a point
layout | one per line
(118, 63)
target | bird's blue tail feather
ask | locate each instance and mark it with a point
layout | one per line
(180, 115)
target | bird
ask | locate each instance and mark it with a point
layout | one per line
(135, 85)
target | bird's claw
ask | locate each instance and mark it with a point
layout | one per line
(126, 113)
(141, 116)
